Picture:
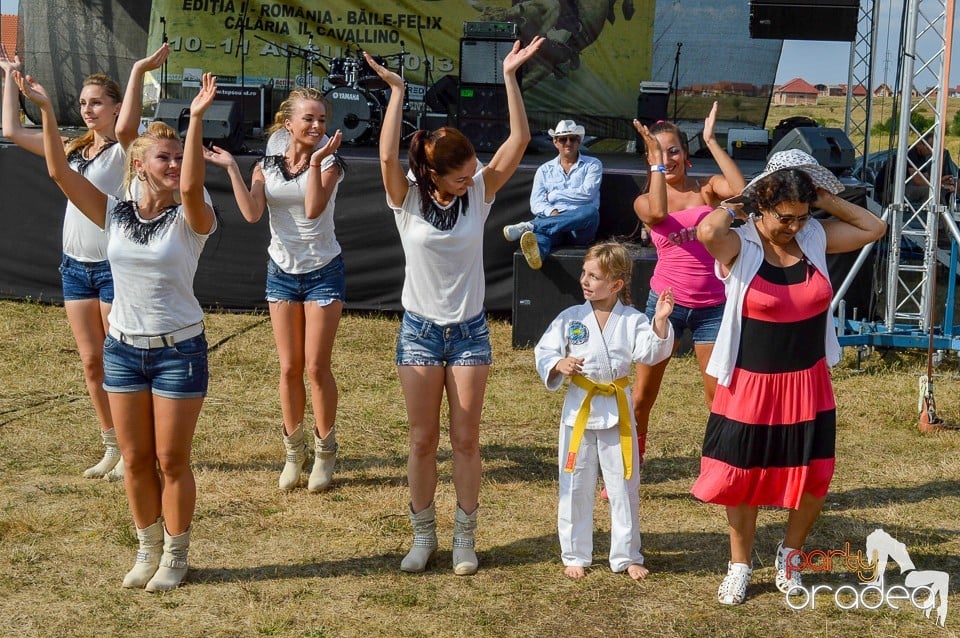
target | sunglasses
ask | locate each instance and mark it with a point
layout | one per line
(786, 220)
(563, 139)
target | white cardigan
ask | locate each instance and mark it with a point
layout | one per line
(813, 243)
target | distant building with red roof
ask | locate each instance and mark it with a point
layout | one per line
(8, 34)
(795, 92)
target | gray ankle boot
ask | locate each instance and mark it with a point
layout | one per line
(324, 458)
(173, 563)
(424, 540)
(148, 555)
(111, 456)
(296, 449)
(464, 557)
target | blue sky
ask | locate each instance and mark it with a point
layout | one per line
(815, 62)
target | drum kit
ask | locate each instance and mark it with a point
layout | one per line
(357, 97)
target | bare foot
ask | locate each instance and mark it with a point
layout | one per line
(637, 572)
(575, 572)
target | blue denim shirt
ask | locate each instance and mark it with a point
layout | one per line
(554, 189)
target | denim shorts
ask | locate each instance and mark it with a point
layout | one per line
(703, 323)
(324, 285)
(86, 280)
(175, 372)
(424, 343)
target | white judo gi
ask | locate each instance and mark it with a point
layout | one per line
(609, 355)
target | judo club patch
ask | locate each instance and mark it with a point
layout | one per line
(577, 333)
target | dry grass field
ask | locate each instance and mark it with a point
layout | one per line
(830, 112)
(265, 563)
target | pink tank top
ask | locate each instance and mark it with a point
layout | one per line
(682, 261)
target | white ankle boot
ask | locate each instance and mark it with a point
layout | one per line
(116, 474)
(464, 557)
(324, 459)
(296, 449)
(148, 555)
(111, 456)
(424, 540)
(173, 562)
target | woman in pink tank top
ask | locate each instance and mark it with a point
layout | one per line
(671, 207)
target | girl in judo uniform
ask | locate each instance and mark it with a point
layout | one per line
(596, 345)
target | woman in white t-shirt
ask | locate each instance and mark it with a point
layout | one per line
(297, 181)
(155, 352)
(112, 120)
(440, 208)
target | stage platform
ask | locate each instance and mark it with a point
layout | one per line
(232, 269)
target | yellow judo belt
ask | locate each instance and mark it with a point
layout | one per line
(580, 424)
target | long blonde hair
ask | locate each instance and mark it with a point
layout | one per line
(112, 89)
(155, 132)
(615, 262)
(285, 110)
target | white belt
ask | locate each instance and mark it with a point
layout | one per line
(158, 341)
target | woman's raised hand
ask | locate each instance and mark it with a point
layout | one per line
(519, 55)
(9, 66)
(328, 149)
(203, 100)
(710, 123)
(650, 143)
(154, 61)
(388, 76)
(218, 156)
(31, 89)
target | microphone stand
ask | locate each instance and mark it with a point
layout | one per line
(163, 69)
(427, 78)
(243, 57)
(675, 79)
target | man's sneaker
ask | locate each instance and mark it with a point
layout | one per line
(513, 232)
(528, 245)
(785, 581)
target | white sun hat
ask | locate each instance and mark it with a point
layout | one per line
(567, 127)
(795, 158)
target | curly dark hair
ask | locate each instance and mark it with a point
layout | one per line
(785, 185)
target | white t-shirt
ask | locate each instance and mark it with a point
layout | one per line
(298, 245)
(82, 239)
(153, 263)
(444, 280)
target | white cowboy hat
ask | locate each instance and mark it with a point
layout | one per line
(795, 158)
(567, 127)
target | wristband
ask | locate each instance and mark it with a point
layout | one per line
(316, 165)
(733, 213)
(658, 168)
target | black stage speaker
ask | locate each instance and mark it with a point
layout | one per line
(481, 61)
(540, 295)
(221, 122)
(834, 20)
(829, 146)
(482, 115)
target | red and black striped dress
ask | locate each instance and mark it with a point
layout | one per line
(771, 433)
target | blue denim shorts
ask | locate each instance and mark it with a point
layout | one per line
(175, 372)
(424, 343)
(86, 280)
(324, 285)
(703, 323)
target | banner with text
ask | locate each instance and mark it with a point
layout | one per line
(596, 55)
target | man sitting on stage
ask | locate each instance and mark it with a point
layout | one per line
(565, 200)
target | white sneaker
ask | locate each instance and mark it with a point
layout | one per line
(733, 589)
(784, 582)
(513, 232)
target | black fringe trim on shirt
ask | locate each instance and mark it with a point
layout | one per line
(445, 218)
(81, 163)
(139, 230)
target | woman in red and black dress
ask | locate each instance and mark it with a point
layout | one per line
(771, 433)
